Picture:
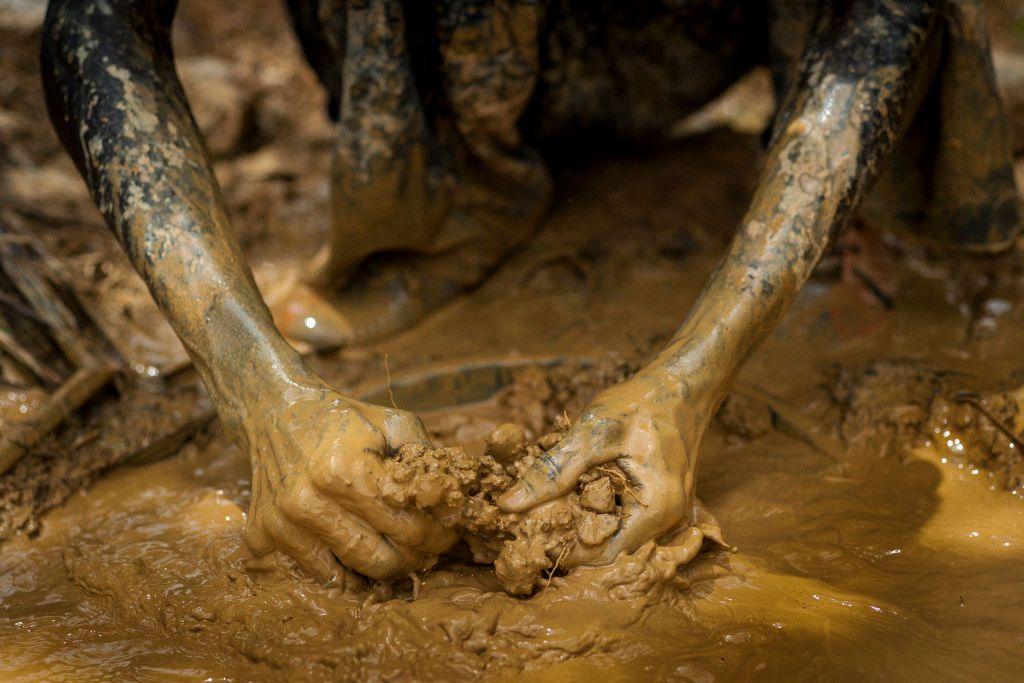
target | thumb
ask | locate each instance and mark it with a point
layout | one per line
(401, 427)
(551, 475)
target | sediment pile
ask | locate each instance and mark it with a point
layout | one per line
(462, 491)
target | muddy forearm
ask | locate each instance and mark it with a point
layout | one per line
(121, 112)
(859, 84)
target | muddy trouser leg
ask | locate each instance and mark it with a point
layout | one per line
(387, 190)
(951, 181)
(431, 183)
(121, 113)
(489, 67)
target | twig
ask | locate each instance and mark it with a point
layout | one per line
(21, 308)
(883, 297)
(623, 480)
(561, 556)
(971, 399)
(387, 375)
(10, 346)
(43, 298)
(20, 438)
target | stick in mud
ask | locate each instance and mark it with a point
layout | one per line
(20, 438)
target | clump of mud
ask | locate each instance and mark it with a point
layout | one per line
(540, 396)
(907, 404)
(462, 491)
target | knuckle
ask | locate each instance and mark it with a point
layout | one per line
(405, 425)
(405, 415)
(604, 427)
(596, 422)
(299, 502)
(352, 543)
(422, 533)
(257, 538)
(547, 467)
(410, 534)
(324, 475)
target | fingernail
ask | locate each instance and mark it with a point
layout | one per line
(514, 500)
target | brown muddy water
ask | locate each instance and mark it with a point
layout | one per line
(897, 567)
(868, 558)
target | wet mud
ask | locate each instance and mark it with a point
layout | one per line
(900, 404)
(527, 549)
(871, 507)
(856, 555)
(870, 558)
(879, 563)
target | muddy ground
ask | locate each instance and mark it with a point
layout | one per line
(865, 468)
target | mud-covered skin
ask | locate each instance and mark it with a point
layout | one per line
(121, 112)
(855, 91)
(464, 188)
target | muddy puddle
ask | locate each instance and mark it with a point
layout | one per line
(869, 542)
(856, 556)
(859, 554)
(871, 566)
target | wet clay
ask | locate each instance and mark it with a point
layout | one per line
(525, 548)
(871, 564)
(902, 404)
(150, 565)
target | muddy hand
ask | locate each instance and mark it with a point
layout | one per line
(634, 425)
(316, 463)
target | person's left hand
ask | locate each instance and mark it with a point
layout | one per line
(644, 427)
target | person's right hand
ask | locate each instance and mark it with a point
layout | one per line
(316, 460)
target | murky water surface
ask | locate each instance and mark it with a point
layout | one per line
(866, 565)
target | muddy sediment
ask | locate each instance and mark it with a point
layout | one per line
(462, 491)
(895, 405)
(156, 552)
(885, 560)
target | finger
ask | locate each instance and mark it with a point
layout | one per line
(357, 493)
(401, 428)
(412, 528)
(551, 475)
(256, 539)
(363, 549)
(357, 544)
(309, 552)
(414, 560)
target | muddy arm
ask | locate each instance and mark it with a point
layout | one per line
(861, 78)
(121, 112)
(856, 87)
